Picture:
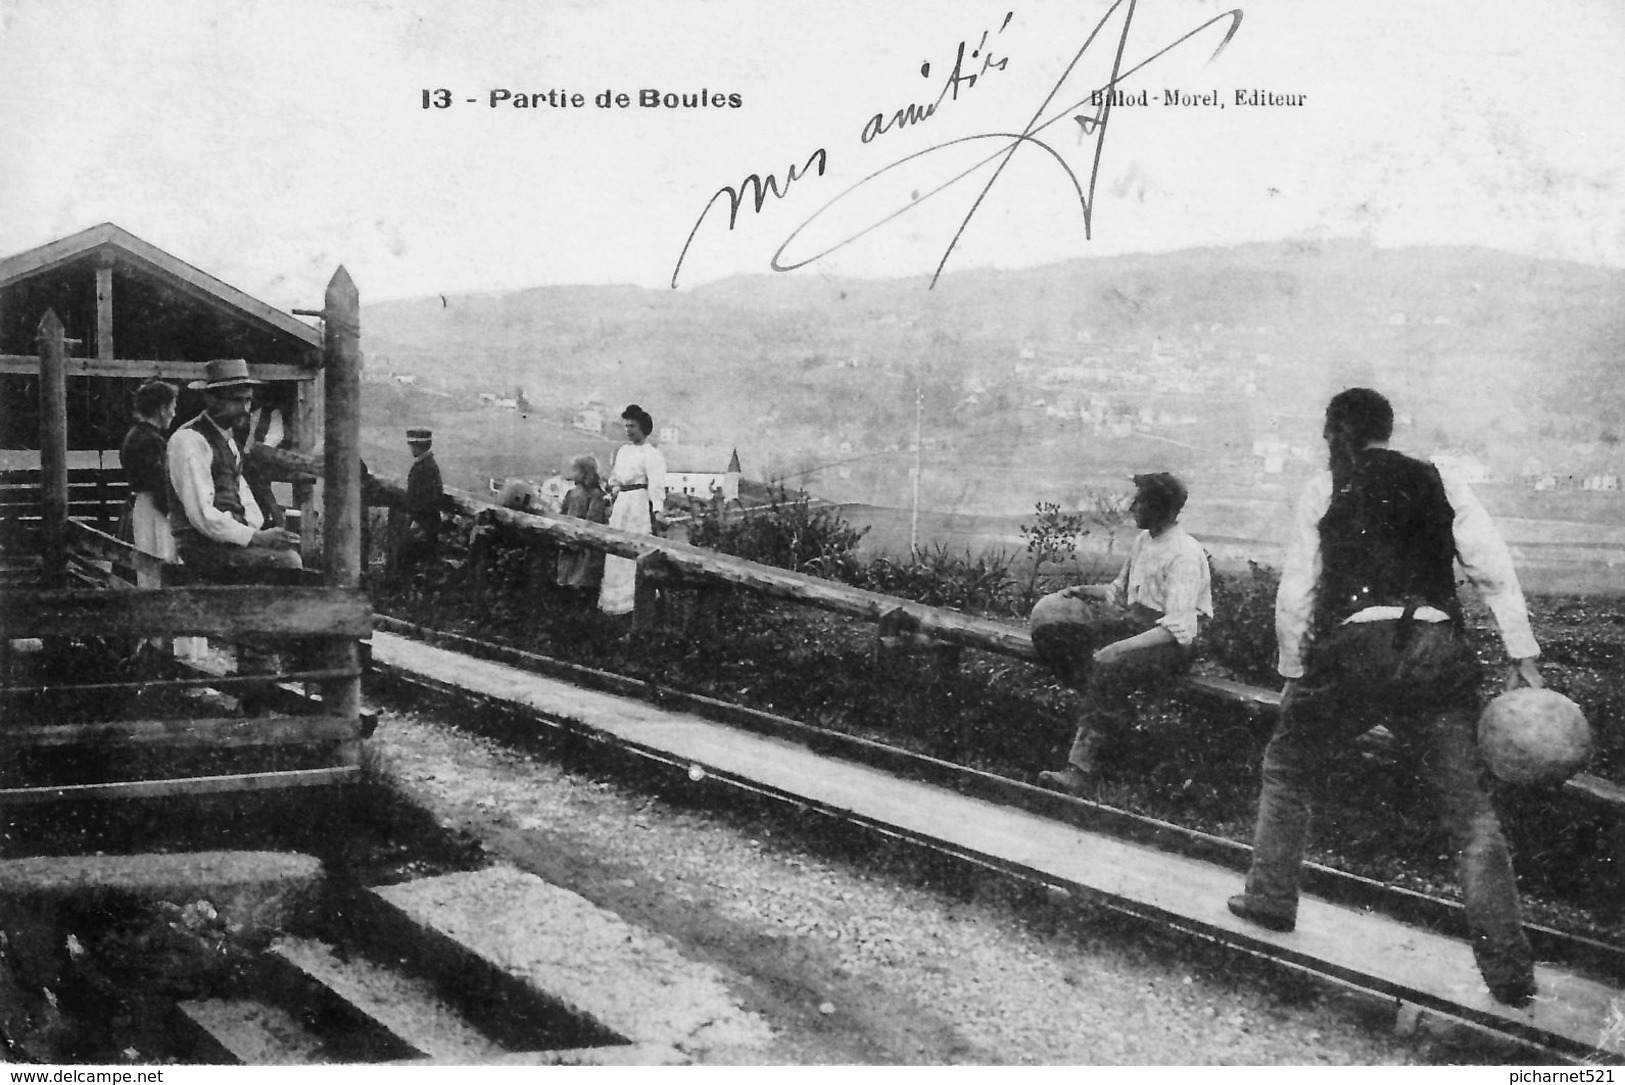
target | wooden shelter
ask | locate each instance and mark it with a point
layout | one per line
(83, 321)
(131, 312)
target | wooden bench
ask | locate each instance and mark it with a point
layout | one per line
(96, 496)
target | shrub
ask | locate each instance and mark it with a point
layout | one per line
(1242, 633)
(788, 532)
(1052, 538)
(936, 578)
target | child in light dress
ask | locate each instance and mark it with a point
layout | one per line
(580, 568)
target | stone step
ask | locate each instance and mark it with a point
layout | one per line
(622, 988)
(619, 1055)
(406, 1007)
(250, 890)
(253, 1033)
(294, 1019)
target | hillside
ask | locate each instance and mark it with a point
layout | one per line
(1043, 383)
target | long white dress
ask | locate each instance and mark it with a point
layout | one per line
(634, 465)
(149, 531)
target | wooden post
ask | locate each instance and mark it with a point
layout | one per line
(305, 429)
(342, 510)
(5, 400)
(104, 308)
(53, 451)
(104, 353)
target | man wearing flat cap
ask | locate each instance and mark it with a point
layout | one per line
(424, 496)
(217, 523)
(1107, 640)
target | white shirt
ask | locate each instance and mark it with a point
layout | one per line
(1167, 572)
(189, 458)
(1479, 547)
(640, 463)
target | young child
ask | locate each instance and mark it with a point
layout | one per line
(581, 568)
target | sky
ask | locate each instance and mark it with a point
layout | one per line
(268, 141)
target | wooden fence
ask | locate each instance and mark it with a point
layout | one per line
(325, 619)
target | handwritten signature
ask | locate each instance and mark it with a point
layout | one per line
(1006, 144)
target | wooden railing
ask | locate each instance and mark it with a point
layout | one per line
(680, 561)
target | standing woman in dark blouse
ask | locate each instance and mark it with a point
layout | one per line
(143, 457)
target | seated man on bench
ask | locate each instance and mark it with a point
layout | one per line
(218, 525)
(1106, 640)
(219, 528)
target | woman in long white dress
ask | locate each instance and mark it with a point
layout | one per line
(637, 482)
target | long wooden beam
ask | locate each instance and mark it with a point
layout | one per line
(195, 785)
(1584, 786)
(27, 365)
(210, 733)
(211, 611)
(98, 544)
(945, 625)
(217, 681)
(284, 465)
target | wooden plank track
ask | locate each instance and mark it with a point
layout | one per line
(1573, 1013)
(214, 611)
(1330, 883)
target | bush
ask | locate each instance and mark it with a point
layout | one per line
(788, 532)
(1052, 538)
(936, 578)
(1242, 633)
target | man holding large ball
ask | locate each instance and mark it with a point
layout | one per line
(1369, 631)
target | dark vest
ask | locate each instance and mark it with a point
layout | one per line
(224, 469)
(1387, 539)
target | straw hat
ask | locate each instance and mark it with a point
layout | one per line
(223, 373)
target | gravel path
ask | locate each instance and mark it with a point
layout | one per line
(862, 952)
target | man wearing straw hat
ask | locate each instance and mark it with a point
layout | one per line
(219, 528)
(217, 524)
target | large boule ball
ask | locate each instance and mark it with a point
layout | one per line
(1534, 736)
(518, 494)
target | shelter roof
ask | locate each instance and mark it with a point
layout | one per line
(143, 256)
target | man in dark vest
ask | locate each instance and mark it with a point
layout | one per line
(1370, 631)
(217, 523)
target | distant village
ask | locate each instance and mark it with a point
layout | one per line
(694, 471)
(1170, 387)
